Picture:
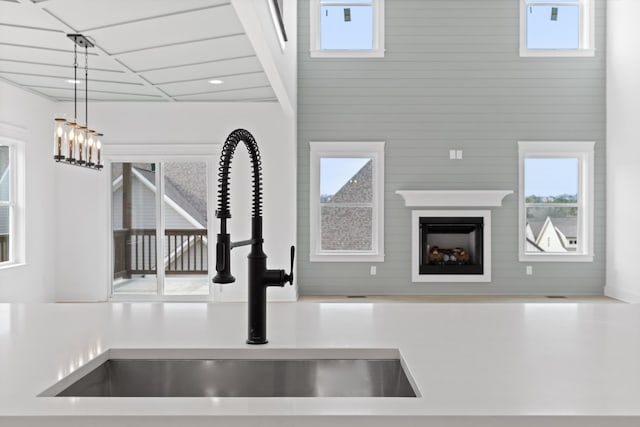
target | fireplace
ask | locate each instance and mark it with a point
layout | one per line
(451, 246)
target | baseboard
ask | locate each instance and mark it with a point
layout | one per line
(622, 294)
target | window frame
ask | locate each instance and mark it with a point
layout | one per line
(584, 152)
(586, 37)
(378, 49)
(9, 203)
(344, 149)
(14, 138)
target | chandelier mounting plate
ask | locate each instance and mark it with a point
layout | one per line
(80, 40)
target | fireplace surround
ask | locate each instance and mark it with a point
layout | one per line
(466, 201)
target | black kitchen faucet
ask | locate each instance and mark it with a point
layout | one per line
(259, 276)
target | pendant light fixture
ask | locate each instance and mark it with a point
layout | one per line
(75, 144)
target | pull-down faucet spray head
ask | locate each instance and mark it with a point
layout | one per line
(223, 256)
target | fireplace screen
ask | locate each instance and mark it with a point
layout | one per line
(451, 245)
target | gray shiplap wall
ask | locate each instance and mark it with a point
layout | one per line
(451, 78)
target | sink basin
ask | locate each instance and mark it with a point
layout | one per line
(258, 376)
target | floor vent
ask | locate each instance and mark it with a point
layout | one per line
(556, 296)
(356, 296)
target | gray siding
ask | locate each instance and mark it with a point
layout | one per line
(451, 78)
(144, 203)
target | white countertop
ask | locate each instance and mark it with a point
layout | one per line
(474, 364)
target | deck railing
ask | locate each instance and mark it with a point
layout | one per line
(4, 247)
(187, 251)
(135, 252)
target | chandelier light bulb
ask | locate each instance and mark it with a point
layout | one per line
(58, 138)
(99, 148)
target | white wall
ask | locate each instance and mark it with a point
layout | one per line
(35, 280)
(85, 276)
(623, 149)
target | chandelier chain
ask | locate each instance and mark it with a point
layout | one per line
(75, 82)
(86, 87)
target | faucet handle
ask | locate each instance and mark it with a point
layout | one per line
(289, 277)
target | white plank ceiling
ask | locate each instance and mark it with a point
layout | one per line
(146, 50)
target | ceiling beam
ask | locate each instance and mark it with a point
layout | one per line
(66, 28)
(252, 15)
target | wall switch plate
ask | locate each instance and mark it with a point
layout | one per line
(373, 270)
(529, 270)
(459, 154)
(452, 154)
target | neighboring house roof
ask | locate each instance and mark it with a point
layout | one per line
(549, 238)
(532, 247)
(358, 189)
(176, 195)
(190, 180)
(567, 226)
(4, 184)
(186, 180)
(4, 160)
(546, 236)
(350, 228)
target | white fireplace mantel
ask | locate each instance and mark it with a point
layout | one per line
(453, 198)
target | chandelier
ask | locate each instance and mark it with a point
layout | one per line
(74, 143)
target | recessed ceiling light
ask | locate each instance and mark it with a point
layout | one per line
(216, 82)
(74, 82)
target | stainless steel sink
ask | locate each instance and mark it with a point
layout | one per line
(244, 378)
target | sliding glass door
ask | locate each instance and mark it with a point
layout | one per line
(185, 228)
(159, 226)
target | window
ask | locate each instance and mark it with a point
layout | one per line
(557, 28)
(11, 195)
(556, 201)
(6, 204)
(342, 29)
(347, 201)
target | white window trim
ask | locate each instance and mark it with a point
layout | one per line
(374, 150)
(15, 138)
(378, 34)
(584, 152)
(587, 33)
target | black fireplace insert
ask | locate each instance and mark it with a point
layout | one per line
(451, 245)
